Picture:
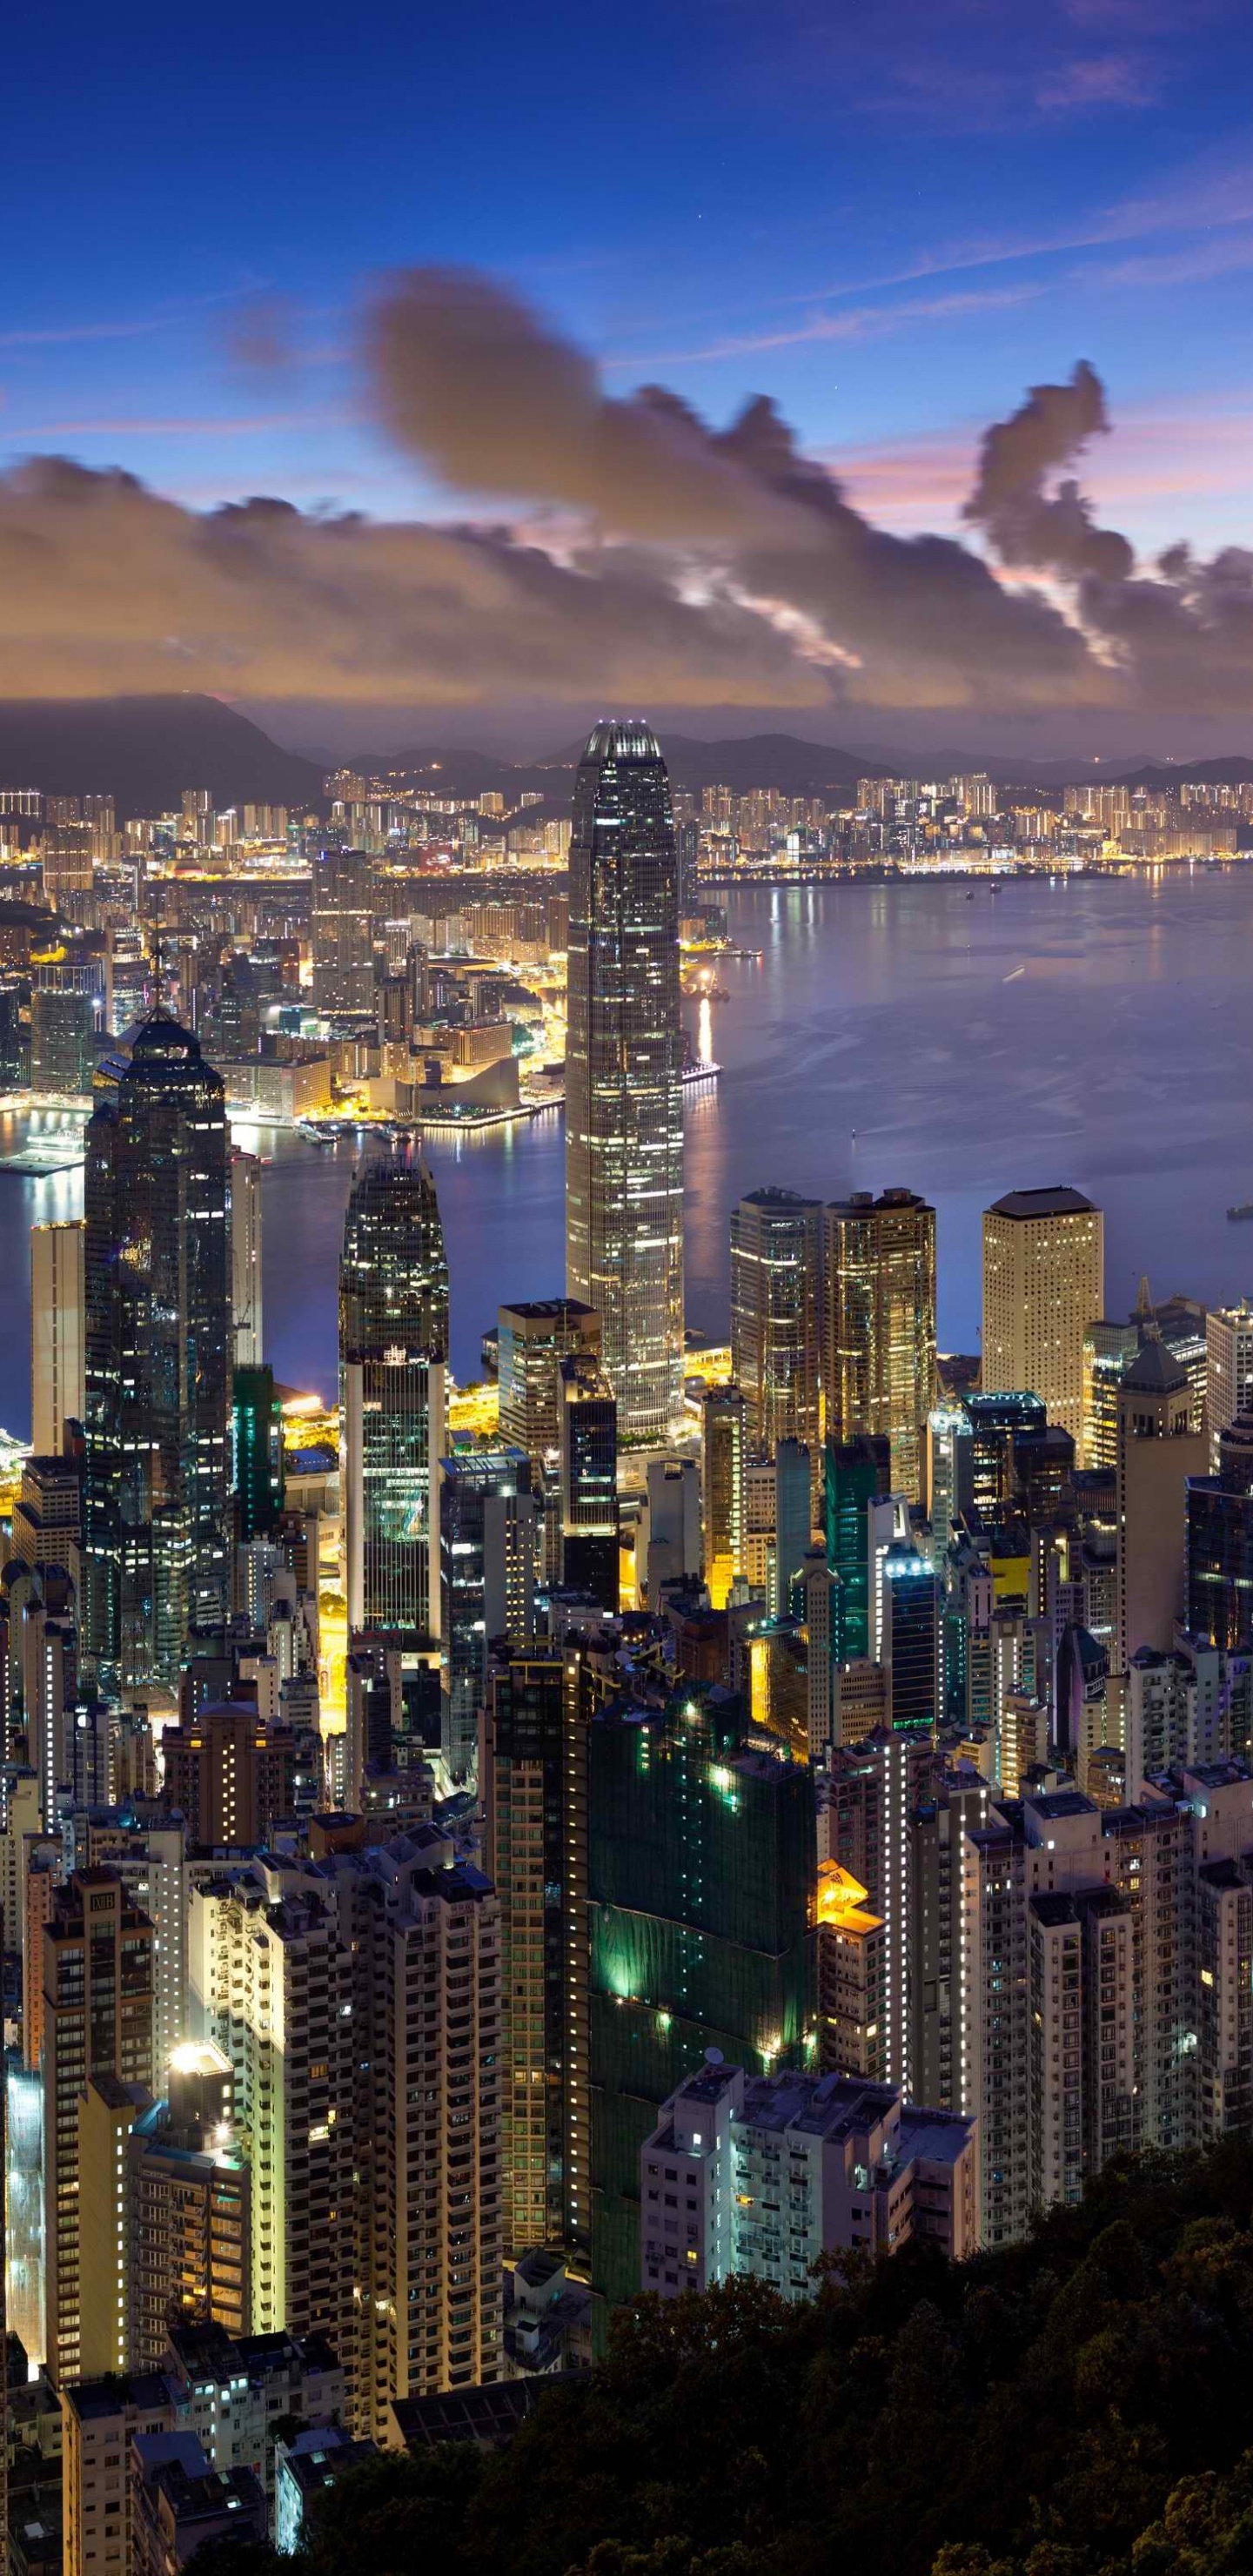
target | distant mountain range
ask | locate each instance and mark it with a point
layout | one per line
(146, 750)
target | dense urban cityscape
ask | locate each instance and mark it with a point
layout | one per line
(626, 1290)
(665, 1815)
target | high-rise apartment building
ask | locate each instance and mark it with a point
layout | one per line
(1043, 1283)
(432, 2185)
(97, 1977)
(588, 1447)
(1105, 1975)
(879, 1325)
(724, 1428)
(271, 1983)
(229, 1774)
(343, 934)
(393, 1352)
(57, 1297)
(163, 2222)
(246, 1284)
(535, 1788)
(1228, 1369)
(533, 1338)
(859, 2167)
(776, 1317)
(158, 1343)
(624, 1055)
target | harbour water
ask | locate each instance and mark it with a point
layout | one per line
(1097, 1031)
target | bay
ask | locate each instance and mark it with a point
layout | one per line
(1096, 1031)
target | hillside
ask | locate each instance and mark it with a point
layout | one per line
(1075, 2406)
(146, 750)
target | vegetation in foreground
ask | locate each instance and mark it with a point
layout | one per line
(1077, 2406)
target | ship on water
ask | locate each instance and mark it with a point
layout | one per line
(1237, 1215)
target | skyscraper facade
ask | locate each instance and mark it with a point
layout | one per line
(879, 1325)
(723, 1445)
(1043, 1284)
(343, 934)
(701, 1877)
(245, 1178)
(589, 1480)
(624, 1055)
(1228, 1369)
(535, 1790)
(776, 1311)
(393, 1352)
(56, 1317)
(158, 1346)
(533, 1337)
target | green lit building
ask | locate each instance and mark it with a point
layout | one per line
(856, 1470)
(701, 1878)
(256, 1452)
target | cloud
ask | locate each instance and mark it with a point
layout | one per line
(636, 554)
(1026, 525)
(491, 400)
(1092, 81)
(104, 586)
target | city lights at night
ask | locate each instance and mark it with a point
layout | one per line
(626, 1149)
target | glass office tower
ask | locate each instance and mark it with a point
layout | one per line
(158, 1356)
(624, 1093)
(393, 1354)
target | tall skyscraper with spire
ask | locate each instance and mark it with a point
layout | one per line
(157, 1355)
(393, 1354)
(624, 1057)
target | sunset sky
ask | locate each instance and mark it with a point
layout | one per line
(893, 221)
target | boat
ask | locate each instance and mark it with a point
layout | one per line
(1238, 1215)
(707, 1072)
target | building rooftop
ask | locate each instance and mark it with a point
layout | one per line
(1058, 1201)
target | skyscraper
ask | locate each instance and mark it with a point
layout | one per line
(533, 1337)
(487, 1521)
(776, 1310)
(343, 934)
(879, 1324)
(245, 1178)
(1043, 1284)
(1218, 1546)
(1228, 1369)
(97, 2021)
(857, 1470)
(624, 1053)
(723, 1442)
(701, 1875)
(393, 1351)
(535, 1792)
(256, 1452)
(589, 1480)
(1156, 1451)
(158, 1346)
(57, 1323)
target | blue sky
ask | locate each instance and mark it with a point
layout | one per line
(891, 219)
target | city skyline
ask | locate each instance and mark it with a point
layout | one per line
(626, 1625)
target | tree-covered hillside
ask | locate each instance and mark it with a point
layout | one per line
(1078, 2406)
